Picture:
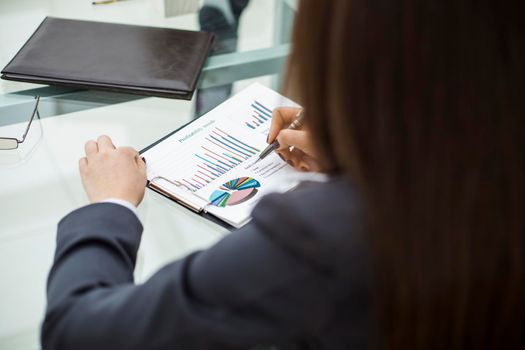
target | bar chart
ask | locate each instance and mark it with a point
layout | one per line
(219, 153)
(259, 115)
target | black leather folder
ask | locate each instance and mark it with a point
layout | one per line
(116, 57)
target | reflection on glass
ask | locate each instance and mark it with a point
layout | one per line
(220, 17)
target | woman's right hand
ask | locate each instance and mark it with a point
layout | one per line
(302, 156)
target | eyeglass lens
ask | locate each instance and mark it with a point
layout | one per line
(7, 143)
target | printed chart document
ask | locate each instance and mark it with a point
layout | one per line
(210, 164)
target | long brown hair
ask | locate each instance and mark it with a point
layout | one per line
(422, 105)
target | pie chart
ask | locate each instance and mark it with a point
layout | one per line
(235, 192)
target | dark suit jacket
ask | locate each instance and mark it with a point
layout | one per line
(297, 277)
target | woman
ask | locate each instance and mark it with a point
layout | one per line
(416, 110)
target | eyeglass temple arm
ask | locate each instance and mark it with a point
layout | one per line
(35, 111)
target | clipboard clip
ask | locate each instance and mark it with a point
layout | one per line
(193, 206)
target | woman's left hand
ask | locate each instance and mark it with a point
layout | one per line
(110, 172)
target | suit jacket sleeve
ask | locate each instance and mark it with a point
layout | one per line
(249, 289)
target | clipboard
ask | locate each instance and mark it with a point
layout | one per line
(182, 202)
(245, 117)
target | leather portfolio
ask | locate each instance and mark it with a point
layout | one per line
(116, 57)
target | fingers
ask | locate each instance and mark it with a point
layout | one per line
(281, 118)
(105, 143)
(297, 159)
(141, 165)
(82, 164)
(90, 148)
(130, 151)
(309, 164)
(296, 138)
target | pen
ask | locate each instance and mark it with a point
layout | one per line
(296, 124)
(105, 2)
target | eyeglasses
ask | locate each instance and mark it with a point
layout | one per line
(7, 143)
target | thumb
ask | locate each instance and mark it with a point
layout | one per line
(141, 163)
(298, 138)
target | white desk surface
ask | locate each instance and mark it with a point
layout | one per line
(40, 184)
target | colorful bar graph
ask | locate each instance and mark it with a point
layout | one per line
(260, 115)
(221, 153)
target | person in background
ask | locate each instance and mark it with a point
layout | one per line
(416, 111)
(220, 17)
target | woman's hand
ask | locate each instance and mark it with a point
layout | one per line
(303, 156)
(110, 172)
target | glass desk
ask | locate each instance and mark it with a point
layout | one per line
(40, 181)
